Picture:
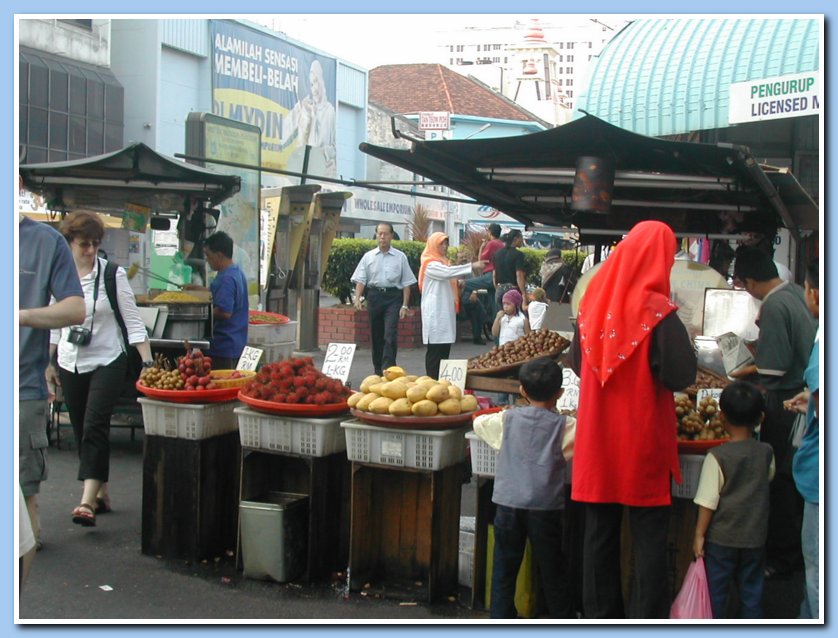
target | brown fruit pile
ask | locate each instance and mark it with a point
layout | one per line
(295, 381)
(701, 423)
(537, 343)
(705, 379)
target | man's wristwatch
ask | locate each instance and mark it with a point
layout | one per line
(405, 308)
(148, 364)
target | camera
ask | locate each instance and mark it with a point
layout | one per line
(79, 335)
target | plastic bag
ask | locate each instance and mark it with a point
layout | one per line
(693, 601)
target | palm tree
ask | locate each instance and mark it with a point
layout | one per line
(420, 224)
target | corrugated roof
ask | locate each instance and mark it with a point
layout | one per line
(668, 76)
(411, 88)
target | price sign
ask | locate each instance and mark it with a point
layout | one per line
(249, 359)
(570, 397)
(713, 393)
(454, 370)
(338, 360)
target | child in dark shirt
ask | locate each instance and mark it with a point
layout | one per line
(732, 499)
(529, 492)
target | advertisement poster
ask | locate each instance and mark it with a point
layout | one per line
(285, 90)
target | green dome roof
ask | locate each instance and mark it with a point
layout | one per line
(667, 76)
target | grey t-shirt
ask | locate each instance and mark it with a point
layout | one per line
(46, 269)
(786, 334)
(530, 469)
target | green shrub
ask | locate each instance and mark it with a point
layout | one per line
(346, 253)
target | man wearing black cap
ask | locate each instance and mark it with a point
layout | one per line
(786, 333)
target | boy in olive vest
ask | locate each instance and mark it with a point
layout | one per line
(732, 499)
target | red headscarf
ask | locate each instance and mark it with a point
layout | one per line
(433, 252)
(627, 297)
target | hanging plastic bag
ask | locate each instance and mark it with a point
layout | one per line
(693, 601)
(798, 429)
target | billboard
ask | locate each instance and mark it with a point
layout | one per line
(285, 90)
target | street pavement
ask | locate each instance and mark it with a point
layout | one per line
(99, 574)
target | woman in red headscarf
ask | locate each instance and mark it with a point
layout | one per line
(631, 352)
(440, 300)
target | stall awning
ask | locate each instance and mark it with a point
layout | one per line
(696, 188)
(135, 175)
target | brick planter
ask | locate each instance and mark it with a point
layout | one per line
(344, 324)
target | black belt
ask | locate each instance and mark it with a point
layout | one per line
(383, 290)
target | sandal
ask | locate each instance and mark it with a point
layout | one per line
(84, 515)
(103, 505)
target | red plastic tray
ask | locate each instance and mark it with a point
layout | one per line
(277, 318)
(294, 409)
(497, 408)
(190, 396)
(698, 447)
(445, 422)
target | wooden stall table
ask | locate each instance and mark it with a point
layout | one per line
(190, 473)
(301, 456)
(404, 535)
(486, 383)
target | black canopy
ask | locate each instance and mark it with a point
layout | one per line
(134, 175)
(695, 188)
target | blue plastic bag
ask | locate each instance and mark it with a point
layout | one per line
(693, 601)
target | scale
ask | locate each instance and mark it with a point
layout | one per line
(688, 281)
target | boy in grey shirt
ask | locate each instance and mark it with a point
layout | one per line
(529, 492)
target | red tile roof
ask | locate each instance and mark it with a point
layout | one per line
(411, 88)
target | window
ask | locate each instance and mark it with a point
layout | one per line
(570, 94)
(570, 83)
(495, 47)
(570, 45)
(459, 48)
(570, 58)
(87, 25)
(496, 60)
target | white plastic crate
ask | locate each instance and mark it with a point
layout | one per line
(690, 473)
(188, 420)
(292, 435)
(262, 333)
(273, 352)
(483, 455)
(419, 449)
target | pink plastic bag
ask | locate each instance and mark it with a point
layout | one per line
(693, 601)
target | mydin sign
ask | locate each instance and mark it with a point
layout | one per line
(775, 98)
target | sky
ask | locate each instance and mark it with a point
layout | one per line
(370, 40)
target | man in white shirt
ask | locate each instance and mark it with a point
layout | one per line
(385, 275)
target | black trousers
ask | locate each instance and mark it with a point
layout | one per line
(785, 519)
(90, 399)
(435, 353)
(602, 583)
(383, 308)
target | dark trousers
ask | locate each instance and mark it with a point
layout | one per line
(383, 308)
(90, 399)
(785, 517)
(544, 529)
(602, 583)
(435, 353)
(746, 565)
(225, 363)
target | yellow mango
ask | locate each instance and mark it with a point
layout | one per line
(424, 408)
(416, 393)
(400, 407)
(437, 393)
(369, 381)
(450, 407)
(381, 405)
(378, 388)
(364, 403)
(468, 403)
(394, 372)
(394, 390)
(353, 400)
(454, 392)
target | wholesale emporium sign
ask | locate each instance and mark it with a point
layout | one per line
(775, 98)
(285, 90)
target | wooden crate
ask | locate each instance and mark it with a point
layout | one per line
(190, 496)
(405, 531)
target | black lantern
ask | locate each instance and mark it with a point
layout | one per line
(593, 185)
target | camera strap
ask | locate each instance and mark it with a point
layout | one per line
(95, 292)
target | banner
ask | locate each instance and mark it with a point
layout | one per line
(285, 90)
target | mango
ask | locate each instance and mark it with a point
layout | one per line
(369, 381)
(450, 407)
(468, 403)
(381, 405)
(364, 403)
(400, 407)
(353, 400)
(424, 408)
(394, 372)
(394, 390)
(454, 392)
(437, 393)
(416, 393)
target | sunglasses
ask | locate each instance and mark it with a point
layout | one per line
(88, 243)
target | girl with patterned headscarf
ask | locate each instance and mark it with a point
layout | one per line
(631, 352)
(440, 300)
